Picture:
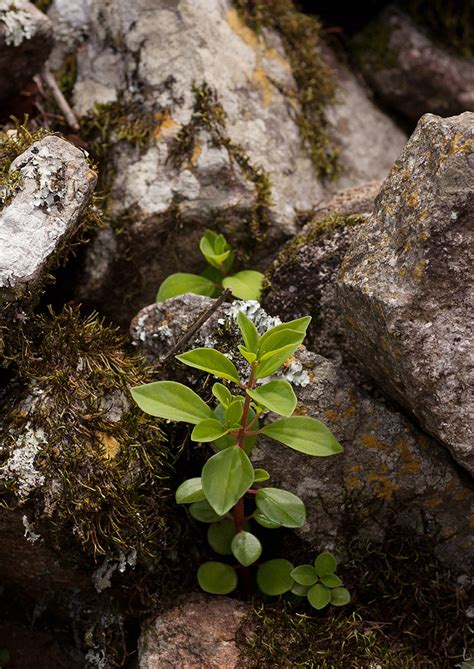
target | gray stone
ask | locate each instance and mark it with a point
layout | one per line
(26, 38)
(54, 186)
(406, 284)
(390, 470)
(409, 72)
(199, 632)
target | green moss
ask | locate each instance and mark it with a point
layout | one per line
(451, 22)
(209, 115)
(301, 37)
(107, 476)
(372, 46)
(67, 76)
(406, 613)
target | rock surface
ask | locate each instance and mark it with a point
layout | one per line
(406, 285)
(26, 39)
(54, 186)
(412, 74)
(388, 465)
(197, 633)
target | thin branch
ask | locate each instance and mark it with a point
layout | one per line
(59, 98)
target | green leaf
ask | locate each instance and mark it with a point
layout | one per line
(325, 563)
(246, 548)
(261, 475)
(249, 332)
(300, 590)
(217, 578)
(220, 535)
(331, 580)
(178, 284)
(262, 520)
(282, 340)
(319, 596)
(226, 477)
(222, 394)
(299, 325)
(212, 255)
(340, 597)
(233, 413)
(281, 507)
(246, 285)
(305, 574)
(273, 360)
(212, 361)
(229, 440)
(278, 396)
(171, 400)
(274, 577)
(304, 434)
(204, 512)
(190, 491)
(248, 355)
(208, 430)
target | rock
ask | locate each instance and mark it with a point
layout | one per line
(406, 284)
(222, 147)
(199, 632)
(54, 183)
(409, 72)
(302, 279)
(390, 470)
(26, 38)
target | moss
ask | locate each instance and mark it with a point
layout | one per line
(106, 464)
(209, 116)
(451, 22)
(301, 37)
(67, 76)
(406, 612)
(372, 46)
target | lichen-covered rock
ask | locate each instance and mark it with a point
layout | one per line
(410, 72)
(204, 135)
(26, 38)
(302, 279)
(389, 468)
(406, 284)
(199, 632)
(52, 185)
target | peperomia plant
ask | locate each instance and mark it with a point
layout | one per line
(229, 494)
(246, 285)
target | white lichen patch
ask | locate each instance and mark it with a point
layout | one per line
(102, 577)
(253, 311)
(20, 466)
(30, 534)
(18, 21)
(48, 172)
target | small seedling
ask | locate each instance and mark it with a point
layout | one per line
(246, 285)
(229, 495)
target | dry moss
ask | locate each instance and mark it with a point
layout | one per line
(301, 37)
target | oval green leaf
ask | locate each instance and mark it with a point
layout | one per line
(304, 434)
(331, 580)
(299, 324)
(234, 412)
(274, 577)
(249, 332)
(281, 506)
(305, 574)
(246, 285)
(217, 578)
(246, 548)
(222, 394)
(319, 596)
(226, 477)
(277, 396)
(340, 597)
(204, 512)
(181, 283)
(208, 430)
(325, 563)
(261, 475)
(262, 520)
(171, 400)
(300, 590)
(220, 535)
(211, 361)
(190, 491)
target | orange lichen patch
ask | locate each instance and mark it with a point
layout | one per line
(383, 486)
(411, 467)
(165, 123)
(372, 442)
(462, 494)
(457, 146)
(411, 464)
(402, 272)
(260, 79)
(331, 415)
(195, 154)
(354, 468)
(350, 411)
(418, 270)
(273, 54)
(413, 201)
(433, 501)
(245, 33)
(110, 445)
(352, 483)
(301, 410)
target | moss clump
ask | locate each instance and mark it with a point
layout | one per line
(301, 36)
(67, 75)
(372, 46)
(209, 115)
(406, 613)
(105, 464)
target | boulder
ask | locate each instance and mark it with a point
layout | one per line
(26, 39)
(199, 632)
(411, 73)
(406, 284)
(389, 468)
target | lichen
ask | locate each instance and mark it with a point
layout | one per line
(19, 23)
(315, 85)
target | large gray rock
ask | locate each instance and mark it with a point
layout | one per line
(389, 468)
(406, 285)
(409, 72)
(54, 184)
(26, 38)
(239, 133)
(199, 632)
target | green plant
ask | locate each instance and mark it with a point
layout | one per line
(228, 495)
(246, 285)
